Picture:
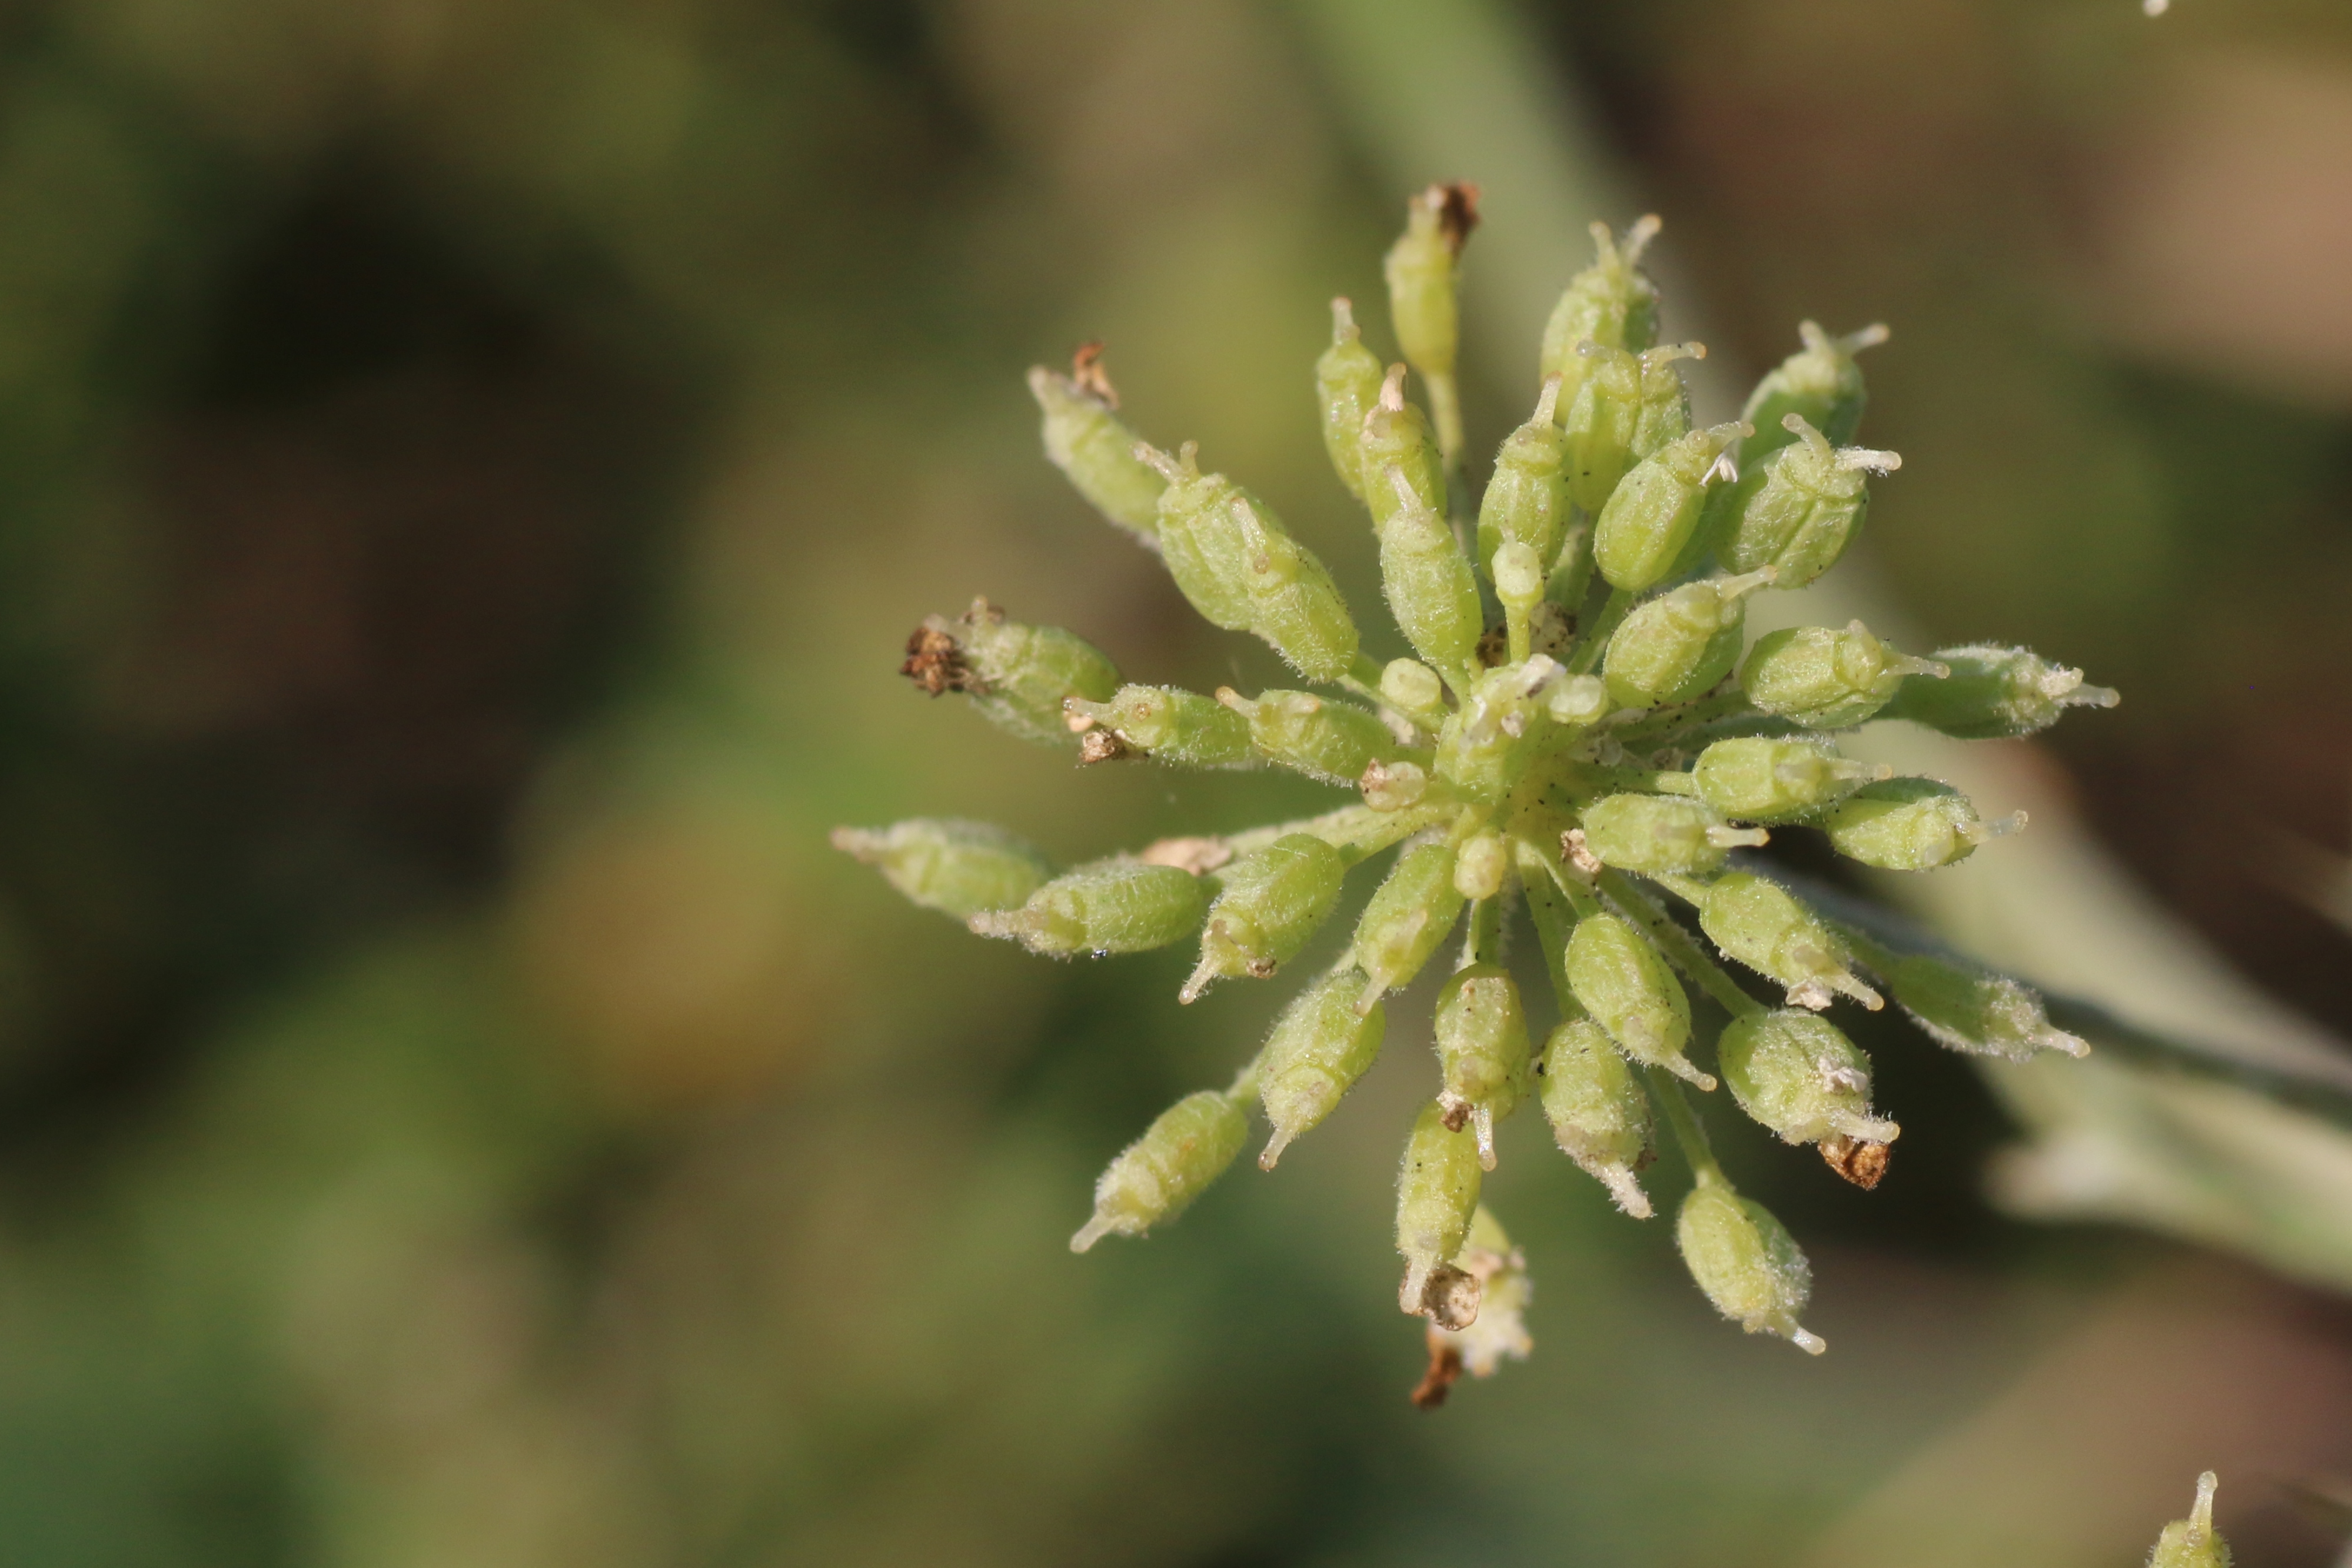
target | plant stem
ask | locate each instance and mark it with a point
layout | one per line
(1689, 1135)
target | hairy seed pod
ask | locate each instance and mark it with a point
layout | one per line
(1820, 383)
(1610, 303)
(1326, 739)
(1972, 1010)
(1599, 1114)
(1396, 433)
(1650, 518)
(1631, 407)
(1757, 779)
(1910, 824)
(1651, 835)
(1112, 906)
(1242, 570)
(1617, 976)
(1421, 268)
(1481, 866)
(1437, 1193)
(1429, 585)
(1798, 507)
(1086, 440)
(1746, 1262)
(1320, 1047)
(1485, 747)
(1526, 499)
(959, 868)
(1347, 385)
(1763, 926)
(1271, 902)
(1174, 726)
(1994, 693)
(2193, 1542)
(1482, 1051)
(1406, 920)
(1679, 645)
(1157, 1176)
(1827, 679)
(1017, 676)
(1799, 1075)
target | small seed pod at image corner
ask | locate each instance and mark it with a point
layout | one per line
(1599, 1112)
(1910, 824)
(1661, 834)
(1346, 386)
(1611, 303)
(959, 868)
(1116, 905)
(1767, 778)
(1801, 1076)
(1320, 1047)
(1618, 976)
(1761, 924)
(1437, 1194)
(1824, 678)
(1482, 1051)
(1018, 676)
(1646, 526)
(1746, 1262)
(1170, 725)
(1086, 439)
(1156, 1177)
(1993, 694)
(1271, 902)
(2193, 1542)
(1321, 738)
(1406, 920)
(1969, 1010)
(1820, 383)
(1676, 646)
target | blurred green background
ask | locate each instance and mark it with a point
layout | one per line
(467, 468)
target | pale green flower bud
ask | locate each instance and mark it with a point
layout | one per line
(1757, 779)
(1679, 645)
(957, 868)
(1650, 518)
(1271, 902)
(1018, 676)
(1972, 1010)
(1485, 747)
(1820, 383)
(1610, 303)
(1242, 570)
(1421, 268)
(1656, 834)
(1437, 1193)
(1481, 864)
(1577, 701)
(2193, 1542)
(1994, 693)
(1320, 1047)
(1112, 906)
(1397, 433)
(1799, 506)
(1171, 725)
(1617, 976)
(1347, 385)
(1599, 1114)
(1394, 786)
(1526, 499)
(1799, 1075)
(1414, 690)
(1747, 1263)
(1482, 1051)
(1323, 738)
(1157, 1176)
(1911, 824)
(1826, 679)
(1086, 439)
(1406, 920)
(1429, 585)
(1763, 926)
(1631, 407)
(1518, 576)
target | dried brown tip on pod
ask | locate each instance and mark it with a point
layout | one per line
(1449, 1297)
(1102, 745)
(1457, 212)
(1087, 370)
(1437, 1381)
(935, 661)
(1859, 1160)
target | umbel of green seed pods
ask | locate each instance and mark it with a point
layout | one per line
(1963, 1007)
(1405, 921)
(1763, 779)
(1910, 824)
(1820, 383)
(1525, 501)
(1156, 1177)
(1798, 507)
(1746, 1262)
(1086, 439)
(1482, 1051)
(1827, 679)
(1112, 906)
(1017, 676)
(1326, 739)
(1652, 513)
(1994, 693)
(1599, 1114)
(1319, 1049)
(1437, 1193)
(1347, 385)
(1762, 926)
(1427, 580)
(1271, 903)
(1650, 834)
(1174, 726)
(1396, 435)
(1610, 303)
(1679, 645)
(1619, 977)
(959, 868)
(1630, 407)
(2193, 1542)
(1799, 1075)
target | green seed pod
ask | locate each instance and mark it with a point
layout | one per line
(1757, 778)
(1242, 570)
(1762, 926)
(1396, 433)
(1481, 864)
(1526, 499)
(1485, 747)
(1421, 268)
(957, 868)
(1112, 906)
(1799, 1076)
(2193, 1542)
(1347, 385)
(1325, 740)
(1429, 585)
(1679, 645)
(1820, 383)
(1437, 1193)
(1650, 518)
(1157, 1176)
(1320, 1047)
(1631, 407)
(1414, 690)
(1799, 506)
(1482, 1051)
(1747, 1263)
(1994, 693)
(1017, 676)
(1086, 439)
(1171, 725)
(1610, 303)
(1271, 902)
(1651, 835)
(1826, 679)
(1598, 1111)
(1974, 1011)
(1406, 920)
(1910, 824)
(1617, 976)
